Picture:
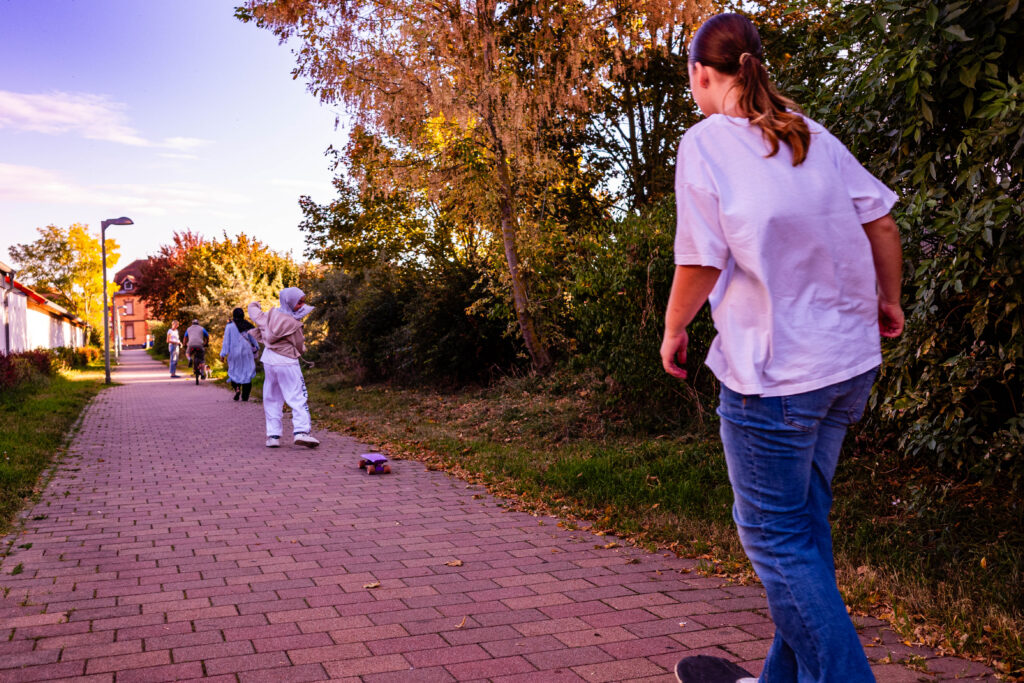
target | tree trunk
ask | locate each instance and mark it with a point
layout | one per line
(539, 356)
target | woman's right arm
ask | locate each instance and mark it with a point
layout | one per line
(887, 253)
(691, 286)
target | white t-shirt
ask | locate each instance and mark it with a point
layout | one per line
(795, 307)
(172, 337)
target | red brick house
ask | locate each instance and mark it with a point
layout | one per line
(129, 310)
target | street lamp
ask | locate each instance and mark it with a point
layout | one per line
(123, 220)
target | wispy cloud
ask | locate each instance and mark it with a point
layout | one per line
(94, 117)
(183, 144)
(33, 184)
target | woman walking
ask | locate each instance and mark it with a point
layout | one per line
(791, 241)
(240, 349)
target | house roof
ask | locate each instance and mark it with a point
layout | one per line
(133, 269)
(53, 309)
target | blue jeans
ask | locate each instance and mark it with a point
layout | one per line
(172, 349)
(782, 452)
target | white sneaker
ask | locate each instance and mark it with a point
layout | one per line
(273, 442)
(306, 440)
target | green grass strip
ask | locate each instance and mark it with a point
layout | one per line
(35, 421)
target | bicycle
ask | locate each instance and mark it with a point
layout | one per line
(199, 367)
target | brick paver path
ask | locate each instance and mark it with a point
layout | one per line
(170, 544)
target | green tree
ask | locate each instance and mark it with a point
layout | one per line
(192, 275)
(166, 281)
(485, 94)
(66, 265)
(931, 96)
(234, 285)
(409, 270)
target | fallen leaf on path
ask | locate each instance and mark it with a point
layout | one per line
(375, 584)
(462, 623)
(607, 546)
(454, 563)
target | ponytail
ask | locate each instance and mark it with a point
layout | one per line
(730, 44)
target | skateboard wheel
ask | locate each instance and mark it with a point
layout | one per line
(370, 469)
(362, 464)
(386, 469)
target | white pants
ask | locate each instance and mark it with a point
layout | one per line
(284, 384)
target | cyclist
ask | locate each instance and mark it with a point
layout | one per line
(196, 339)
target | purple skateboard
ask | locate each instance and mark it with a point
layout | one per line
(374, 463)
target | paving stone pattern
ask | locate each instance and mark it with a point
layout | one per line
(171, 544)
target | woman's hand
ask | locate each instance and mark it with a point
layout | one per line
(690, 288)
(890, 319)
(673, 354)
(887, 253)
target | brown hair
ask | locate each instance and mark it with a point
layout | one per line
(730, 44)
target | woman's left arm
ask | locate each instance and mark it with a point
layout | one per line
(691, 286)
(887, 253)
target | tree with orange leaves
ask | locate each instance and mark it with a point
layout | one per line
(483, 93)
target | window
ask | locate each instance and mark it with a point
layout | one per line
(129, 331)
(128, 285)
(129, 307)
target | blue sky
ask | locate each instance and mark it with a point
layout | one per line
(171, 112)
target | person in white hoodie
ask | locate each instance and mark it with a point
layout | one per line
(280, 330)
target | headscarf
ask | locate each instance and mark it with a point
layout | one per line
(289, 298)
(238, 317)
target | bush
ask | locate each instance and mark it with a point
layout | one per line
(67, 358)
(620, 287)
(25, 367)
(90, 354)
(931, 96)
(392, 323)
(159, 332)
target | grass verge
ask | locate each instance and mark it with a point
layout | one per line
(941, 560)
(34, 425)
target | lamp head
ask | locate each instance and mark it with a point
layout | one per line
(123, 220)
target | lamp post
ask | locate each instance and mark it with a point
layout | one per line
(116, 330)
(123, 220)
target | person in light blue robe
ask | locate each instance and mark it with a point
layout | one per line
(240, 349)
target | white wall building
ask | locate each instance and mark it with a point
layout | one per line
(31, 321)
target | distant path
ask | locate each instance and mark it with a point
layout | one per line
(171, 545)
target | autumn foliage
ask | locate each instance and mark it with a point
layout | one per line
(511, 163)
